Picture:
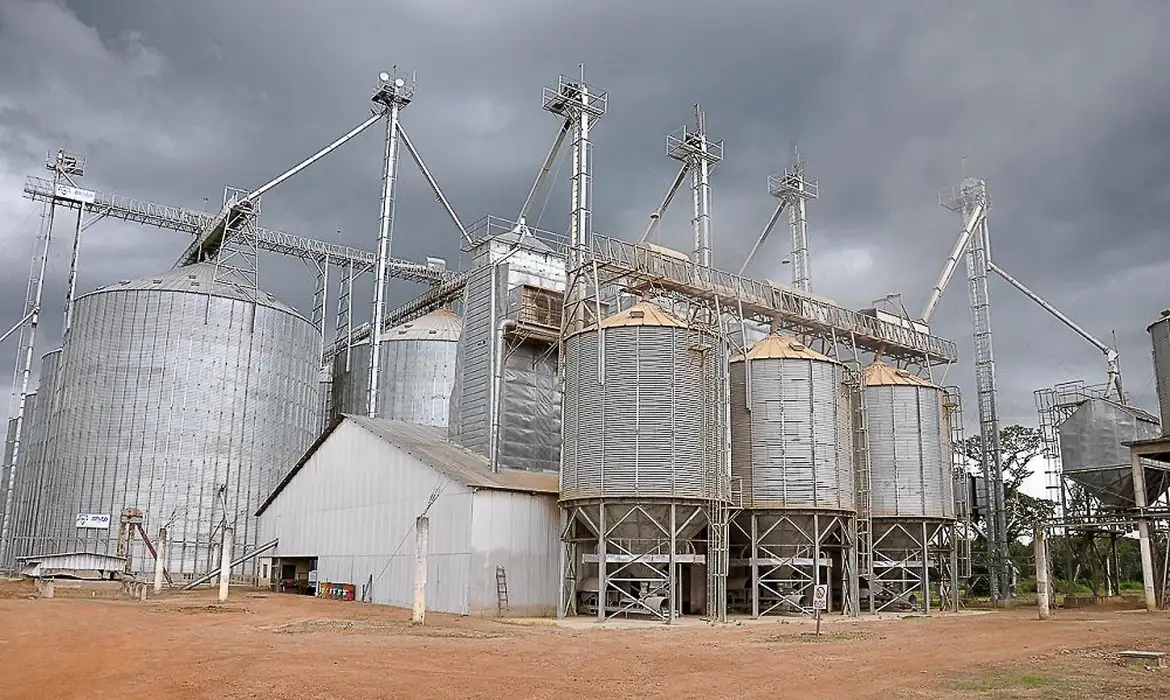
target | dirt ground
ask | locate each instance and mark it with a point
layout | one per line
(271, 646)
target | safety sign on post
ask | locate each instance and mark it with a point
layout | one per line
(820, 602)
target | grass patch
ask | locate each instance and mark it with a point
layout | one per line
(995, 681)
(812, 638)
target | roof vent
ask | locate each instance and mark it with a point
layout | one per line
(798, 346)
(637, 313)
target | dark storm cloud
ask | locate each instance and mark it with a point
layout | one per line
(1062, 109)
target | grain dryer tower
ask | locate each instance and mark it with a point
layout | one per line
(505, 402)
(911, 490)
(645, 463)
(417, 373)
(792, 460)
(185, 397)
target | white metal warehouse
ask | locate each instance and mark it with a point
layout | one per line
(347, 510)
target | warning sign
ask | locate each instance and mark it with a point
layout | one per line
(821, 597)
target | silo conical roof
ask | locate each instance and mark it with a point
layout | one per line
(644, 313)
(199, 278)
(880, 374)
(780, 347)
(440, 324)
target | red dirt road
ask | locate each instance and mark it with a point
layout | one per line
(277, 646)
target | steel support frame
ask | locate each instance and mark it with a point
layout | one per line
(636, 577)
(909, 556)
(781, 551)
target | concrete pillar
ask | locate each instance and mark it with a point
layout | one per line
(225, 563)
(1041, 543)
(1139, 498)
(160, 550)
(422, 525)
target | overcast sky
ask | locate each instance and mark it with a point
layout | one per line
(1064, 107)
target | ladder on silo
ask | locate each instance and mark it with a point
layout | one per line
(864, 486)
(501, 590)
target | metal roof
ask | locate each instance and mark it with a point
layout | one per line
(440, 324)
(879, 374)
(644, 313)
(199, 278)
(777, 347)
(429, 445)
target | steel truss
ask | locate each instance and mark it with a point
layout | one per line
(641, 543)
(784, 552)
(904, 553)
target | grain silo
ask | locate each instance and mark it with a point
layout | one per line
(645, 466)
(34, 477)
(185, 396)
(912, 504)
(417, 373)
(792, 461)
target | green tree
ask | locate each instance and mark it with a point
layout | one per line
(1019, 445)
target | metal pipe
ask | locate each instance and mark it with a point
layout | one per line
(256, 194)
(701, 186)
(385, 239)
(19, 323)
(801, 275)
(431, 180)
(763, 236)
(249, 556)
(1112, 358)
(948, 270)
(656, 215)
(71, 291)
(544, 169)
(580, 238)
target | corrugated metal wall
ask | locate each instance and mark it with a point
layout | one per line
(170, 387)
(468, 424)
(354, 503)
(519, 532)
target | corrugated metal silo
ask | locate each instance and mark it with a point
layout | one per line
(910, 468)
(180, 394)
(791, 442)
(649, 428)
(1160, 336)
(792, 460)
(912, 496)
(27, 466)
(646, 453)
(418, 371)
(36, 482)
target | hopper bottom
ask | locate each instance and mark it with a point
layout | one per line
(1114, 486)
(911, 557)
(777, 557)
(640, 558)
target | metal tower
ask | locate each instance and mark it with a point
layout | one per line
(392, 93)
(793, 189)
(972, 202)
(699, 155)
(64, 166)
(580, 105)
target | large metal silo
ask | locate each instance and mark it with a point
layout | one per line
(417, 373)
(911, 487)
(645, 460)
(910, 467)
(184, 396)
(1160, 336)
(792, 461)
(36, 484)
